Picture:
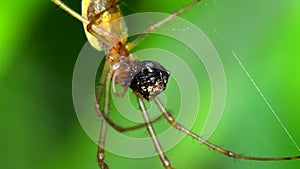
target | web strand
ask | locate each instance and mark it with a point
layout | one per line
(265, 100)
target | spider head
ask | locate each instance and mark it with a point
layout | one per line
(149, 78)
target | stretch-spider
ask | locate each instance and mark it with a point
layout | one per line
(105, 31)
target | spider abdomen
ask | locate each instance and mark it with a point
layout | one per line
(149, 79)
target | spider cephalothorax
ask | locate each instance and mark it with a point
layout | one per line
(149, 79)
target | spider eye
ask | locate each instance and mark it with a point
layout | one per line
(150, 80)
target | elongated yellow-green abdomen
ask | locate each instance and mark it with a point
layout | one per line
(110, 21)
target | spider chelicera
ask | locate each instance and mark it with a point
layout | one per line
(105, 31)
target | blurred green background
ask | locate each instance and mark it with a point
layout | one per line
(39, 44)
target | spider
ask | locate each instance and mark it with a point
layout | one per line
(147, 79)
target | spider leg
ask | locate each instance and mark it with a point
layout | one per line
(159, 23)
(151, 132)
(228, 153)
(103, 86)
(125, 89)
(121, 128)
(70, 11)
